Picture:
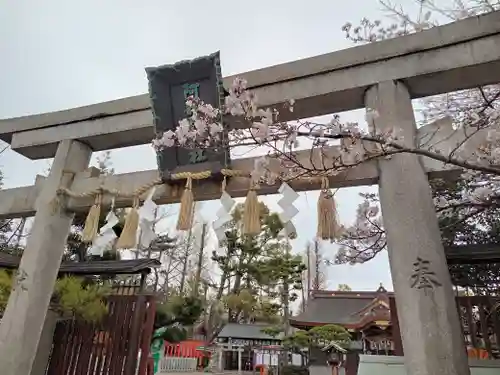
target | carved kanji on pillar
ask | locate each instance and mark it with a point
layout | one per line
(423, 277)
(169, 87)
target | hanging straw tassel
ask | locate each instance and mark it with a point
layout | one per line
(91, 227)
(223, 185)
(251, 213)
(185, 220)
(128, 237)
(328, 226)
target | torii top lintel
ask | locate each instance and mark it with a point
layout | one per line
(456, 56)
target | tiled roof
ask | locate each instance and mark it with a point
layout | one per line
(338, 307)
(101, 267)
(8, 261)
(109, 267)
(245, 331)
(327, 310)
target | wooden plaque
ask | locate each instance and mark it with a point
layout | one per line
(169, 87)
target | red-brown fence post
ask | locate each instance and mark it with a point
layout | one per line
(396, 331)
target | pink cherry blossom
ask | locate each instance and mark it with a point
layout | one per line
(262, 126)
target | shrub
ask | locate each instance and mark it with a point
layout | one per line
(71, 297)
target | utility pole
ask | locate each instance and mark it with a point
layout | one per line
(308, 253)
(200, 260)
(186, 255)
(316, 265)
(185, 262)
(286, 293)
(303, 293)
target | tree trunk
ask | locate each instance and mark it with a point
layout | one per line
(210, 329)
(232, 316)
(184, 266)
(199, 266)
(157, 273)
(303, 293)
(286, 307)
(223, 279)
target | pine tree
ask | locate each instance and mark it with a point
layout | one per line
(259, 277)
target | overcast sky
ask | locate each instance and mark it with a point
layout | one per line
(58, 54)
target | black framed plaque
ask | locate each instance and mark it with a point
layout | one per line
(169, 87)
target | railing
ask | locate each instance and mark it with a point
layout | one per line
(177, 364)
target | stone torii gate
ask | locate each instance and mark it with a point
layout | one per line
(384, 76)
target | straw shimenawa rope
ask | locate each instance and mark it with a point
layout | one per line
(223, 185)
(128, 237)
(328, 226)
(186, 212)
(143, 189)
(251, 212)
(185, 220)
(91, 227)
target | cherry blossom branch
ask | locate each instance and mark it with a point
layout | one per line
(203, 129)
(418, 151)
(479, 193)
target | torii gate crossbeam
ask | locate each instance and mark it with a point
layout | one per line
(384, 76)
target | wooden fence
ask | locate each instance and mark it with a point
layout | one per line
(480, 326)
(119, 345)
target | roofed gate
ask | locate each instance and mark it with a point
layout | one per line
(112, 346)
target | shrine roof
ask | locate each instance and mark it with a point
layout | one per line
(339, 307)
(104, 267)
(245, 331)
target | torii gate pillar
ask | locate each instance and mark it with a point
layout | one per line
(24, 317)
(432, 338)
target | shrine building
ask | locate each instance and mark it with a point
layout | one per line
(366, 315)
(241, 343)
